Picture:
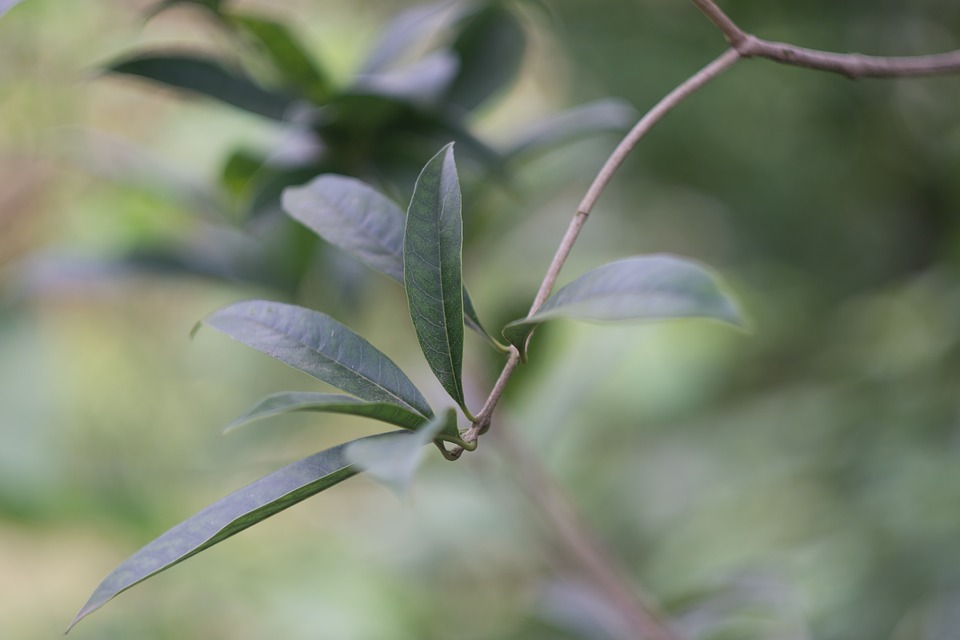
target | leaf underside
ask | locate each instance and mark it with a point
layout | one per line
(361, 221)
(318, 345)
(432, 270)
(654, 287)
(248, 506)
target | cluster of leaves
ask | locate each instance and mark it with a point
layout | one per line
(431, 69)
(422, 251)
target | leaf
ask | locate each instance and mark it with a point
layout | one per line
(596, 117)
(655, 287)
(318, 345)
(248, 506)
(404, 31)
(208, 77)
(421, 83)
(352, 216)
(394, 462)
(287, 56)
(358, 219)
(490, 47)
(289, 401)
(432, 272)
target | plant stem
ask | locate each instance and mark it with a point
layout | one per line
(852, 65)
(671, 100)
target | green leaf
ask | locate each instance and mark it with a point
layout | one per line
(318, 345)
(586, 120)
(422, 83)
(432, 271)
(407, 29)
(490, 45)
(289, 401)
(352, 216)
(208, 77)
(655, 287)
(360, 220)
(395, 461)
(287, 56)
(248, 506)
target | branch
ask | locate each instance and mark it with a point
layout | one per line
(852, 65)
(603, 178)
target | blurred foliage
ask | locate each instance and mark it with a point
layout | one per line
(798, 483)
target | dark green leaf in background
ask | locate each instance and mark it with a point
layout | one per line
(432, 270)
(241, 509)
(358, 219)
(208, 77)
(318, 345)
(655, 287)
(287, 55)
(290, 401)
(490, 45)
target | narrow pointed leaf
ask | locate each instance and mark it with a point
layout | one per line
(287, 56)
(290, 401)
(655, 287)
(394, 462)
(432, 270)
(248, 506)
(358, 219)
(318, 345)
(208, 77)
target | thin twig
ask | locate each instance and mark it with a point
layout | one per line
(852, 65)
(644, 617)
(603, 178)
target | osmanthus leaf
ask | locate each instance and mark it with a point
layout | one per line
(208, 77)
(421, 83)
(287, 56)
(244, 508)
(318, 345)
(407, 29)
(432, 270)
(395, 461)
(490, 46)
(654, 287)
(565, 127)
(290, 401)
(358, 219)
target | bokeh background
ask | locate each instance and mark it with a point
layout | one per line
(802, 481)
